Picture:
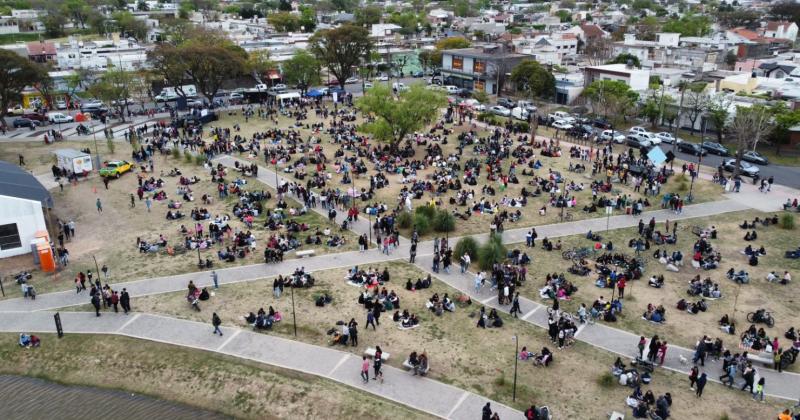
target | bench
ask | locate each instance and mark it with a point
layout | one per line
(757, 358)
(409, 366)
(370, 352)
(305, 253)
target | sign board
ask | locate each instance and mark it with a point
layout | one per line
(657, 156)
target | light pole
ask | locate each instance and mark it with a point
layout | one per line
(516, 358)
(294, 318)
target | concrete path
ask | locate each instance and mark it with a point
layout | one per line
(399, 386)
(31, 398)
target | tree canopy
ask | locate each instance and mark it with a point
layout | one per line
(341, 49)
(532, 78)
(613, 99)
(302, 70)
(397, 117)
(16, 72)
(689, 25)
(624, 58)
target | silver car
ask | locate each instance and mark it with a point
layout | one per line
(746, 168)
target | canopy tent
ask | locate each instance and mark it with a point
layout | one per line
(287, 96)
(313, 93)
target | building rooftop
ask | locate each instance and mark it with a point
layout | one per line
(486, 52)
(16, 182)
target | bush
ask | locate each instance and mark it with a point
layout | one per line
(422, 223)
(493, 251)
(522, 126)
(606, 380)
(466, 245)
(488, 118)
(404, 220)
(199, 159)
(427, 211)
(187, 156)
(787, 221)
(110, 146)
(444, 221)
(176, 154)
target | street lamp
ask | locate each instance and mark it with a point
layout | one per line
(516, 358)
(294, 318)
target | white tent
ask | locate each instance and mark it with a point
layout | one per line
(287, 96)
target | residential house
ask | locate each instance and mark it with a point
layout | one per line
(666, 51)
(782, 30)
(776, 70)
(41, 51)
(101, 55)
(548, 49)
(383, 30)
(440, 17)
(482, 68)
(750, 44)
(637, 79)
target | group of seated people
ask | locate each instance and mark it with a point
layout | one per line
(655, 313)
(438, 306)
(547, 245)
(772, 277)
(656, 281)
(29, 340)
(726, 324)
(405, 320)
(644, 405)
(383, 299)
(756, 339)
(419, 284)
(759, 221)
(492, 320)
(419, 363)
(705, 288)
(370, 278)
(606, 310)
(742, 277)
(263, 320)
(544, 358)
(692, 308)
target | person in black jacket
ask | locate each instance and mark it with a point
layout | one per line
(125, 300)
(96, 303)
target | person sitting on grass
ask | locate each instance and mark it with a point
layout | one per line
(544, 359)
(656, 281)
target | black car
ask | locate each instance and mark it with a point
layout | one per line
(505, 102)
(464, 93)
(25, 122)
(691, 148)
(601, 123)
(715, 148)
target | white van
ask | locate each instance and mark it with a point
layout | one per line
(169, 93)
(452, 89)
(399, 86)
(520, 113)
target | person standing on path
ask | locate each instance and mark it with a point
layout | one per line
(215, 279)
(96, 303)
(365, 370)
(515, 306)
(640, 346)
(99, 205)
(621, 287)
(148, 203)
(376, 366)
(353, 330)
(413, 252)
(700, 352)
(115, 301)
(662, 353)
(125, 301)
(701, 383)
(759, 392)
(370, 320)
(133, 201)
(486, 413)
(693, 376)
(652, 350)
(105, 271)
(216, 322)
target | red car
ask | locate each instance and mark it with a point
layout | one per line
(42, 118)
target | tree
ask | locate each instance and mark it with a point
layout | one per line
(689, 25)
(425, 58)
(308, 19)
(210, 61)
(785, 119)
(492, 252)
(302, 70)
(345, 5)
(739, 17)
(651, 110)
(717, 111)
(167, 62)
(730, 59)
(624, 58)
(613, 99)
(786, 10)
(114, 87)
(452, 43)
(53, 22)
(46, 88)
(16, 73)
(532, 78)
(78, 81)
(750, 124)
(284, 22)
(598, 51)
(696, 100)
(341, 49)
(369, 15)
(130, 26)
(394, 117)
(78, 10)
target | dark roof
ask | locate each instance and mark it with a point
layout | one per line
(16, 182)
(770, 67)
(485, 52)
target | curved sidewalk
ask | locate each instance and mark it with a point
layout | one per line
(423, 394)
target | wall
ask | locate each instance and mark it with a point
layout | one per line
(29, 218)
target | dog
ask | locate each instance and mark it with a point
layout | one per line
(683, 360)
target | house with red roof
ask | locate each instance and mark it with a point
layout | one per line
(41, 51)
(783, 30)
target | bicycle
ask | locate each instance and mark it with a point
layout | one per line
(567, 217)
(576, 253)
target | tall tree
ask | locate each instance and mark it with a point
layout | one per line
(209, 62)
(395, 118)
(302, 70)
(167, 62)
(718, 111)
(114, 87)
(78, 10)
(369, 15)
(341, 49)
(613, 99)
(696, 101)
(284, 22)
(16, 73)
(534, 80)
(425, 58)
(751, 125)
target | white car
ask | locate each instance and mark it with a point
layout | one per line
(61, 104)
(280, 87)
(437, 88)
(637, 130)
(367, 85)
(667, 138)
(236, 95)
(351, 80)
(399, 86)
(562, 125)
(382, 78)
(500, 110)
(611, 135)
(451, 89)
(192, 102)
(651, 137)
(474, 104)
(59, 118)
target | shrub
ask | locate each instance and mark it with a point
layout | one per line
(404, 220)
(176, 154)
(523, 126)
(466, 245)
(444, 221)
(493, 251)
(187, 156)
(427, 211)
(422, 223)
(199, 159)
(110, 146)
(606, 380)
(488, 118)
(787, 221)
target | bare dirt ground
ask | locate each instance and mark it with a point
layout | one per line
(461, 354)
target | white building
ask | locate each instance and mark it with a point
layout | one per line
(637, 79)
(783, 30)
(382, 30)
(22, 198)
(100, 55)
(548, 49)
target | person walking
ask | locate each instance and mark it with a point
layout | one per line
(700, 352)
(465, 262)
(749, 375)
(115, 301)
(371, 320)
(652, 349)
(353, 329)
(215, 279)
(148, 203)
(365, 369)
(515, 306)
(99, 205)
(376, 366)
(216, 322)
(133, 201)
(486, 413)
(693, 376)
(478, 281)
(759, 392)
(776, 358)
(729, 376)
(125, 301)
(96, 303)
(640, 346)
(662, 353)
(621, 287)
(701, 383)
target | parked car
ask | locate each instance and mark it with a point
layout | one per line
(236, 96)
(367, 85)
(436, 80)
(754, 157)
(500, 110)
(601, 123)
(561, 116)
(691, 148)
(637, 141)
(562, 125)
(59, 118)
(399, 87)
(505, 102)
(417, 73)
(24, 122)
(520, 113)
(280, 87)
(464, 93)
(451, 90)
(125, 101)
(637, 130)
(527, 105)
(611, 135)
(61, 104)
(337, 90)
(746, 168)
(351, 80)
(35, 116)
(715, 148)
(667, 137)
(382, 78)
(194, 102)
(115, 168)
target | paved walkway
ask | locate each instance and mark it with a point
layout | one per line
(399, 386)
(31, 398)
